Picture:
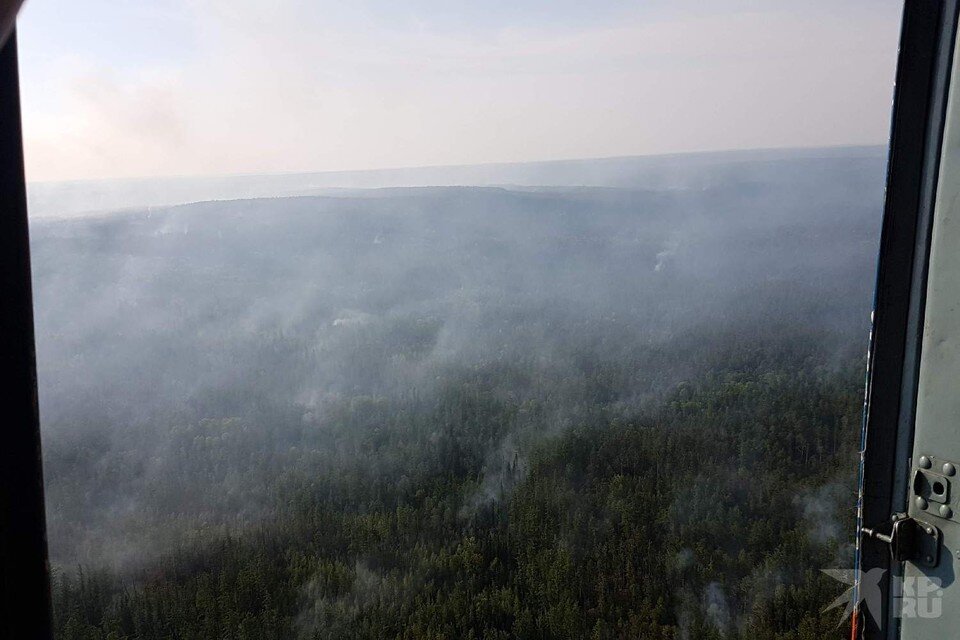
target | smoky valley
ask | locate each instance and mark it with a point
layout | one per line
(597, 399)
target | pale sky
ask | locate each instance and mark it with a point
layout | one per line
(128, 88)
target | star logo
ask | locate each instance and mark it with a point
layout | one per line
(864, 589)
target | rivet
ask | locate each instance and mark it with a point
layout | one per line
(949, 469)
(945, 511)
(920, 502)
(929, 559)
(924, 462)
(929, 531)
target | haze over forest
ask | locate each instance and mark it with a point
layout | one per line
(599, 398)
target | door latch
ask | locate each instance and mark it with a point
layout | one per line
(910, 540)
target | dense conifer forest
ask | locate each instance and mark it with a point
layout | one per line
(451, 413)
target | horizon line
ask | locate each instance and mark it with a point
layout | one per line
(648, 156)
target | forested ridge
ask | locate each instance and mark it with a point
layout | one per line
(702, 518)
(460, 412)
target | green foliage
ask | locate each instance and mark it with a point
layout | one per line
(469, 514)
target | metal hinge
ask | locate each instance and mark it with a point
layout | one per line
(910, 540)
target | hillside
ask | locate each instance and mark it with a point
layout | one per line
(453, 412)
